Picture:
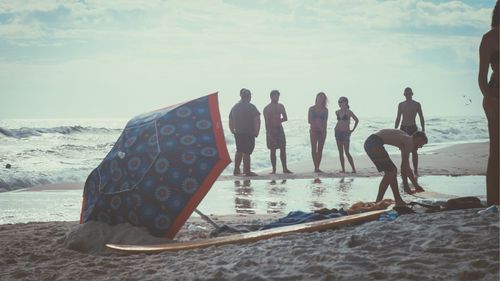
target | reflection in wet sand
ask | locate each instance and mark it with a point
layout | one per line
(277, 192)
(242, 200)
(281, 196)
(318, 189)
(344, 186)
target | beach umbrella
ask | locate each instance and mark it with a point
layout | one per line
(160, 169)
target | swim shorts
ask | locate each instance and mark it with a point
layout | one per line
(245, 143)
(343, 136)
(410, 129)
(374, 147)
(275, 137)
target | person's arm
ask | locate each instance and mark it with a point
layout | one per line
(421, 117)
(482, 77)
(266, 118)
(256, 121)
(398, 117)
(356, 121)
(231, 122)
(284, 117)
(309, 117)
(406, 171)
(325, 122)
(257, 125)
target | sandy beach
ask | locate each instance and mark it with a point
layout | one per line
(454, 245)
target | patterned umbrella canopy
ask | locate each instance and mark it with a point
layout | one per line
(159, 170)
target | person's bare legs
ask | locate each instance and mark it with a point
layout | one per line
(406, 186)
(283, 160)
(390, 179)
(340, 147)
(414, 158)
(393, 182)
(314, 145)
(237, 161)
(321, 143)
(492, 180)
(349, 157)
(246, 163)
(273, 160)
(384, 183)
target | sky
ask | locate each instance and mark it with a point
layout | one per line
(118, 59)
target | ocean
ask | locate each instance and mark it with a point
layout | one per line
(66, 150)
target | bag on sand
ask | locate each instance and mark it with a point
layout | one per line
(468, 202)
(459, 203)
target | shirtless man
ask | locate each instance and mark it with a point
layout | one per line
(374, 147)
(274, 115)
(409, 110)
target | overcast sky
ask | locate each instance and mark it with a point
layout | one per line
(102, 58)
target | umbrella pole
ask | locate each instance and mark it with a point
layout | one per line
(207, 219)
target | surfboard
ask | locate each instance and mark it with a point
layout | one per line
(434, 195)
(431, 197)
(252, 236)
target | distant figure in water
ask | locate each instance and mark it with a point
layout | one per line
(8, 166)
(488, 56)
(374, 147)
(318, 118)
(409, 110)
(343, 132)
(274, 116)
(244, 123)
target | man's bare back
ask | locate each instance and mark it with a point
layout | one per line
(409, 110)
(397, 138)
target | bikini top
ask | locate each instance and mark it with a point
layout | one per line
(343, 118)
(319, 115)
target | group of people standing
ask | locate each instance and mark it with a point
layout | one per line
(244, 123)
(318, 118)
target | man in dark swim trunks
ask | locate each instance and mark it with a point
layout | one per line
(244, 123)
(274, 116)
(374, 147)
(409, 110)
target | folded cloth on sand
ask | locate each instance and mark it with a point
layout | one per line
(298, 217)
(361, 207)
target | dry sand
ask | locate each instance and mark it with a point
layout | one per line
(456, 245)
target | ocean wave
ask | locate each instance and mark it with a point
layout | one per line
(63, 130)
(18, 183)
(30, 179)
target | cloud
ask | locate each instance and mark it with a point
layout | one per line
(122, 48)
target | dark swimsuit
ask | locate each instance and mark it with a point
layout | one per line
(321, 116)
(374, 147)
(343, 136)
(343, 118)
(410, 129)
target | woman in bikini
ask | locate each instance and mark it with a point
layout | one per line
(318, 118)
(488, 56)
(343, 131)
